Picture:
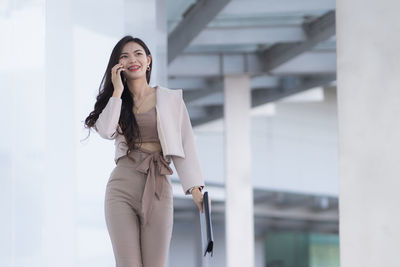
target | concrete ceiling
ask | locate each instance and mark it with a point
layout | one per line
(284, 46)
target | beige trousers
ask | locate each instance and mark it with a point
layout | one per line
(134, 243)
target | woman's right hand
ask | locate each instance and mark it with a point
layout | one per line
(116, 77)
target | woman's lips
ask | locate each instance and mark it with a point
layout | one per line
(134, 69)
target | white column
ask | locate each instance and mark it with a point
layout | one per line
(22, 132)
(147, 21)
(59, 187)
(238, 181)
(368, 42)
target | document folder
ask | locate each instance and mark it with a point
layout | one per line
(206, 226)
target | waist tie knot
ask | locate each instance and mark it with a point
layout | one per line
(155, 166)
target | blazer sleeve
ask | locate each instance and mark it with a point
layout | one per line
(188, 168)
(107, 123)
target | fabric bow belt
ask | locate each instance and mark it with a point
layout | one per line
(155, 166)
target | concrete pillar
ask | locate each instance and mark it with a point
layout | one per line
(59, 187)
(22, 132)
(368, 44)
(239, 219)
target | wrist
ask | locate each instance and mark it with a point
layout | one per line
(196, 188)
(117, 93)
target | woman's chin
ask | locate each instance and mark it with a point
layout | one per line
(135, 76)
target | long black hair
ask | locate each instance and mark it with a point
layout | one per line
(127, 120)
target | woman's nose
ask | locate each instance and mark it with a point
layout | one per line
(133, 61)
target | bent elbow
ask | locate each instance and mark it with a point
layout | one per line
(106, 133)
(109, 136)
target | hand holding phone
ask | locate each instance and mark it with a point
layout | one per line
(118, 77)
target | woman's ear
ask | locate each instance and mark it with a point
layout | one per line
(149, 59)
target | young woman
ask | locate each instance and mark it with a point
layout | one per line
(151, 127)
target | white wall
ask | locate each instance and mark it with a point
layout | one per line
(22, 136)
(369, 131)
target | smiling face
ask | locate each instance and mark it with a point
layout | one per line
(135, 61)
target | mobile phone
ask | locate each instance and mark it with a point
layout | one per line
(122, 76)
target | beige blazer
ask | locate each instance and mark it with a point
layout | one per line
(174, 131)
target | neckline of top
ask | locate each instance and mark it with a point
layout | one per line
(145, 111)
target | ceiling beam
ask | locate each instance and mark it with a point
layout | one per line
(289, 85)
(221, 64)
(272, 7)
(294, 213)
(258, 63)
(213, 86)
(195, 19)
(250, 35)
(316, 31)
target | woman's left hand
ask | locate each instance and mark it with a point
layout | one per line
(198, 198)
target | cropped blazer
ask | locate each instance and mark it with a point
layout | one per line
(174, 131)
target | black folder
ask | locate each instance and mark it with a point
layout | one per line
(206, 226)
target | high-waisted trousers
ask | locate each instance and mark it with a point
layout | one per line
(138, 209)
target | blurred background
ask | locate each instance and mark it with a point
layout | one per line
(279, 57)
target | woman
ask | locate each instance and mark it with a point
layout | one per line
(151, 127)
